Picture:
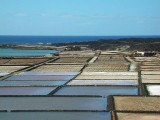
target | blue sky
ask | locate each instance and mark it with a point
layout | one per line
(80, 17)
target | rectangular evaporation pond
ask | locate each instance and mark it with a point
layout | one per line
(109, 73)
(138, 116)
(150, 72)
(11, 68)
(28, 61)
(26, 90)
(150, 69)
(150, 81)
(103, 82)
(69, 69)
(55, 116)
(53, 103)
(31, 83)
(145, 67)
(3, 74)
(49, 73)
(98, 90)
(153, 89)
(41, 77)
(137, 103)
(154, 77)
(99, 77)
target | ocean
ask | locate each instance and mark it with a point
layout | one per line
(59, 39)
(8, 52)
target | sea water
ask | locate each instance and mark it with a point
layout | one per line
(4, 39)
(7, 52)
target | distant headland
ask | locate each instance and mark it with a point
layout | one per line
(122, 44)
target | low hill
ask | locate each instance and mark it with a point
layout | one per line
(129, 44)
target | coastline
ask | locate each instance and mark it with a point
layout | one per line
(32, 47)
(123, 44)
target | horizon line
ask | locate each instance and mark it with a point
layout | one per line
(80, 35)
